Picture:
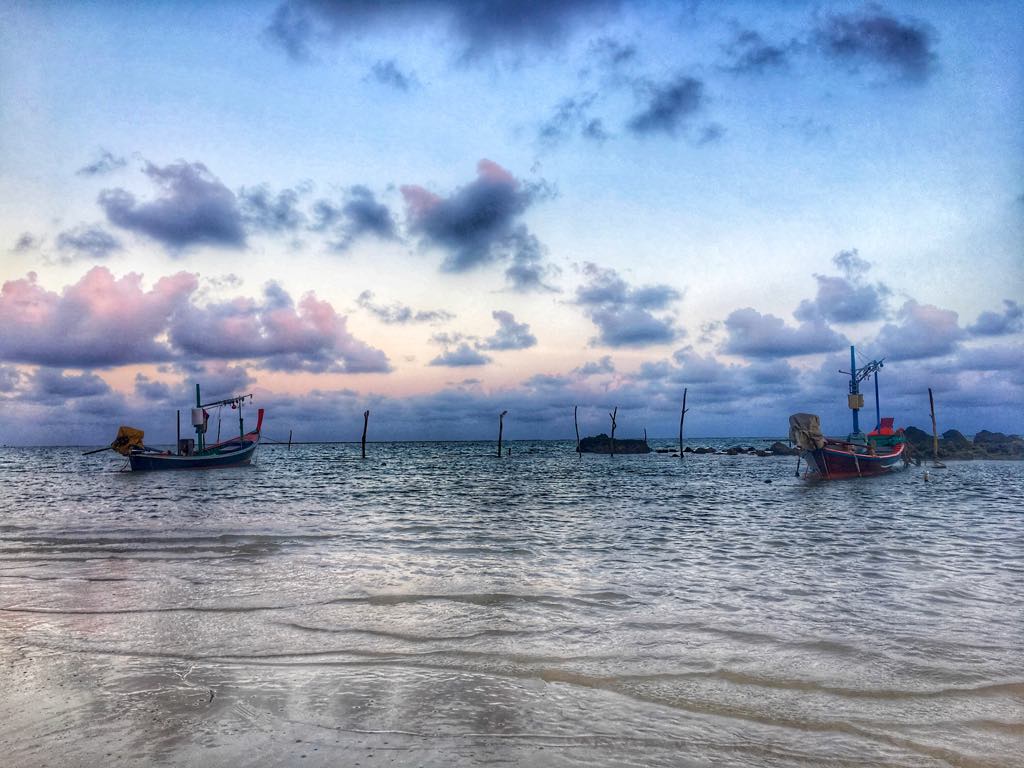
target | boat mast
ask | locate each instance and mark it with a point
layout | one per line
(856, 399)
(199, 428)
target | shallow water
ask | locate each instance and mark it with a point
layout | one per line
(434, 605)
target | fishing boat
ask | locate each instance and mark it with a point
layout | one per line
(193, 453)
(880, 451)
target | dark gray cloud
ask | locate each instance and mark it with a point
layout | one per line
(150, 389)
(752, 334)
(26, 242)
(921, 331)
(362, 215)
(1010, 320)
(280, 334)
(104, 164)
(478, 224)
(386, 72)
(668, 105)
(846, 299)
(596, 367)
(86, 240)
(623, 314)
(400, 314)
(613, 54)
(510, 334)
(193, 208)
(462, 354)
(477, 28)
(875, 37)
(265, 211)
(48, 383)
(750, 53)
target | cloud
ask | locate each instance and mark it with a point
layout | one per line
(923, 330)
(400, 314)
(102, 321)
(85, 240)
(596, 368)
(193, 208)
(479, 29)
(989, 323)
(388, 73)
(309, 336)
(510, 334)
(262, 210)
(104, 164)
(461, 355)
(10, 378)
(873, 36)
(750, 53)
(25, 243)
(478, 225)
(99, 321)
(571, 117)
(846, 299)
(149, 389)
(623, 313)
(752, 334)
(48, 383)
(668, 105)
(362, 215)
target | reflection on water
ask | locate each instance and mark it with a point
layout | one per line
(435, 605)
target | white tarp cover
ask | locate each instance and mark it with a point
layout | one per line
(805, 431)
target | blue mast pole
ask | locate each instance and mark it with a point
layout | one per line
(854, 390)
(878, 407)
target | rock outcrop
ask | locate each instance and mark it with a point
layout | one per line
(603, 444)
(955, 445)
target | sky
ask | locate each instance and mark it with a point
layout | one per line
(439, 211)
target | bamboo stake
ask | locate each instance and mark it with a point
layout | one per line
(366, 421)
(613, 414)
(575, 421)
(501, 428)
(935, 432)
(682, 415)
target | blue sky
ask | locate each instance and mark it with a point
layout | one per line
(443, 210)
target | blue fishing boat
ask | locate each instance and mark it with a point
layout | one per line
(196, 453)
(880, 451)
(193, 453)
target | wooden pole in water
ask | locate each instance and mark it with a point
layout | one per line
(575, 421)
(613, 414)
(501, 427)
(682, 415)
(289, 439)
(366, 421)
(935, 432)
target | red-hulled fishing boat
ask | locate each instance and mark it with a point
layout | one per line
(880, 451)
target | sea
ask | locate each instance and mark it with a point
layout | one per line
(436, 605)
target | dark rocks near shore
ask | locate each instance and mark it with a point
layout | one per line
(603, 444)
(955, 445)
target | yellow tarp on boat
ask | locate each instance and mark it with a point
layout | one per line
(127, 438)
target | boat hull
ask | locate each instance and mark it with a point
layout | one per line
(834, 463)
(149, 462)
